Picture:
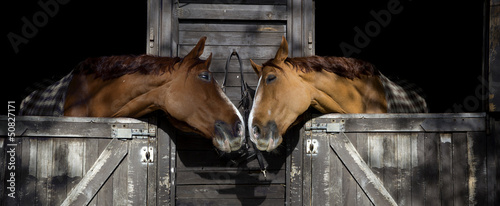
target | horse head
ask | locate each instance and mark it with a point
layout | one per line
(196, 103)
(281, 96)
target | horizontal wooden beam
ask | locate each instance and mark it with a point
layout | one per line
(232, 12)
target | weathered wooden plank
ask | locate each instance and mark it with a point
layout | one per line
(224, 38)
(262, 27)
(232, 12)
(59, 178)
(91, 151)
(28, 174)
(230, 202)
(418, 170)
(320, 167)
(43, 170)
(211, 160)
(119, 182)
(478, 187)
(219, 65)
(404, 161)
(295, 167)
(230, 177)
(409, 123)
(372, 186)
(163, 163)
(445, 168)
(390, 165)
(105, 194)
(336, 184)
(34, 126)
(137, 173)
(272, 2)
(230, 191)
(362, 148)
(222, 52)
(431, 172)
(109, 159)
(460, 168)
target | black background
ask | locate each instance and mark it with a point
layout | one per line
(436, 44)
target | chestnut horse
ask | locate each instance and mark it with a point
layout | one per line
(132, 86)
(287, 87)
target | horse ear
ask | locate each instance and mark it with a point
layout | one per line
(208, 61)
(257, 68)
(197, 51)
(282, 53)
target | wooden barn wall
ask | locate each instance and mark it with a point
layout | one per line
(253, 28)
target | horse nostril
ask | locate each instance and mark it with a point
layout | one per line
(239, 128)
(256, 131)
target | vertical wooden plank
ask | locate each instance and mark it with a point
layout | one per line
(431, 171)
(337, 183)
(168, 18)
(376, 154)
(362, 147)
(105, 194)
(151, 181)
(76, 162)
(494, 162)
(28, 184)
(404, 167)
(59, 179)
(137, 173)
(295, 169)
(44, 170)
(349, 185)
(418, 170)
(91, 153)
(120, 183)
(390, 165)
(476, 145)
(163, 164)
(307, 174)
(459, 164)
(445, 169)
(320, 167)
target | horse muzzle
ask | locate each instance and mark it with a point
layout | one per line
(266, 138)
(229, 138)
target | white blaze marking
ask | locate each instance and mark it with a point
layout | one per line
(232, 105)
(254, 105)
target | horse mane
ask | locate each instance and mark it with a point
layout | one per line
(111, 67)
(346, 67)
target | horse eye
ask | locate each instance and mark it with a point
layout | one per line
(204, 76)
(270, 78)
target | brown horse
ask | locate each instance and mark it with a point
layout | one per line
(132, 86)
(289, 86)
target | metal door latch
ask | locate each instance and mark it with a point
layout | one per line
(326, 127)
(312, 146)
(147, 154)
(126, 133)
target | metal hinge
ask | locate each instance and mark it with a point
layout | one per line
(126, 133)
(147, 154)
(326, 127)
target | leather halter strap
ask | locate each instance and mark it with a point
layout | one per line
(247, 95)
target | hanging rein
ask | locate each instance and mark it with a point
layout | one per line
(247, 95)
